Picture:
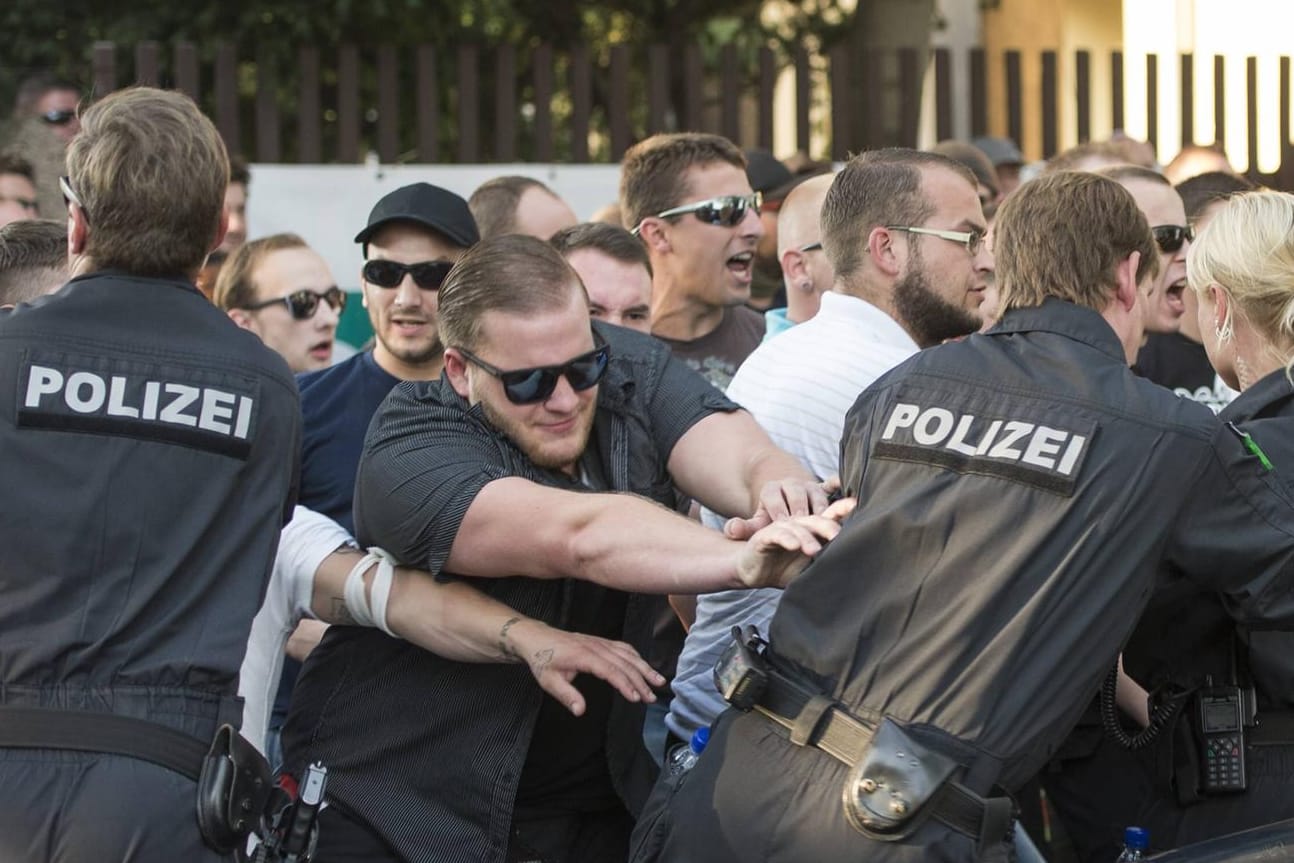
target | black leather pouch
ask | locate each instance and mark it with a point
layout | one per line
(233, 790)
(888, 794)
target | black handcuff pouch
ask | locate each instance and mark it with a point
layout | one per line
(891, 791)
(233, 790)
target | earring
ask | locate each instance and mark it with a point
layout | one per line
(806, 287)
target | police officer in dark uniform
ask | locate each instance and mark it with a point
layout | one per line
(1019, 491)
(1200, 663)
(148, 454)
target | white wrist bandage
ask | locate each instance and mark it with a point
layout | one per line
(357, 598)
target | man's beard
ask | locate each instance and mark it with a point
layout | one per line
(930, 318)
(524, 439)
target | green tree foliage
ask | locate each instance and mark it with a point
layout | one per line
(59, 36)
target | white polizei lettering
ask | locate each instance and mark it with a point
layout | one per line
(117, 406)
(1071, 455)
(1044, 444)
(902, 416)
(989, 437)
(943, 423)
(217, 407)
(244, 421)
(77, 382)
(42, 381)
(1014, 431)
(151, 392)
(958, 441)
(184, 396)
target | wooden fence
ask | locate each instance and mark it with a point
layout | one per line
(532, 103)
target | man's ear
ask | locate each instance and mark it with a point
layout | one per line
(242, 318)
(221, 229)
(794, 270)
(456, 371)
(654, 236)
(1125, 280)
(77, 231)
(880, 248)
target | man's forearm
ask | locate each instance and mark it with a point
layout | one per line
(450, 619)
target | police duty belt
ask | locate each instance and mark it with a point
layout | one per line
(895, 783)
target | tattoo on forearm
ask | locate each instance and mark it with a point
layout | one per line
(340, 613)
(543, 659)
(506, 649)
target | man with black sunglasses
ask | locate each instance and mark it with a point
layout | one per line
(687, 197)
(413, 237)
(533, 469)
(282, 290)
(1163, 209)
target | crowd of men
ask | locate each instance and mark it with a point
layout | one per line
(923, 434)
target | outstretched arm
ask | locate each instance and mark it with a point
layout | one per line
(458, 622)
(624, 541)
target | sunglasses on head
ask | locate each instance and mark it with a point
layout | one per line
(1170, 238)
(58, 118)
(302, 304)
(534, 385)
(726, 211)
(427, 275)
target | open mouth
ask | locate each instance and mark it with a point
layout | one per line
(1173, 296)
(321, 350)
(740, 265)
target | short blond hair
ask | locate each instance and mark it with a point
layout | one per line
(1063, 236)
(1247, 251)
(236, 284)
(151, 172)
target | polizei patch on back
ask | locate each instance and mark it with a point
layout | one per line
(1048, 455)
(185, 405)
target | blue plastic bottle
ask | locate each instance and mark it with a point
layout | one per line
(683, 758)
(1136, 841)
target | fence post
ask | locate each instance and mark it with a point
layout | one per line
(147, 60)
(388, 103)
(267, 109)
(1050, 113)
(1083, 94)
(309, 137)
(505, 104)
(469, 100)
(348, 118)
(226, 90)
(428, 106)
(186, 70)
(542, 61)
(581, 103)
(104, 63)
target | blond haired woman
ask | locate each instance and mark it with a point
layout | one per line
(1241, 267)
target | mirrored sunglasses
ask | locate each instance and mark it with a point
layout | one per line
(1170, 238)
(427, 275)
(725, 211)
(58, 118)
(534, 385)
(302, 304)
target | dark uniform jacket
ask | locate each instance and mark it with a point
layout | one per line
(148, 454)
(1186, 636)
(427, 751)
(1019, 491)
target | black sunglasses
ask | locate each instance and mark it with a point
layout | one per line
(58, 118)
(531, 386)
(427, 275)
(726, 211)
(1170, 238)
(302, 303)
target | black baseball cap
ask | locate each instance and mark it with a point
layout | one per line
(424, 204)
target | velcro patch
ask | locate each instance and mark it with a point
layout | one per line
(1048, 455)
(186, 405)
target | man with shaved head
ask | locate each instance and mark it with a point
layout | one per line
(806, 270)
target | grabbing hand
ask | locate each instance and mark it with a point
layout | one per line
(781, 499)
(777, 553)
(556, 656)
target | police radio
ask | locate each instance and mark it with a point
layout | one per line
(1221, 718)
